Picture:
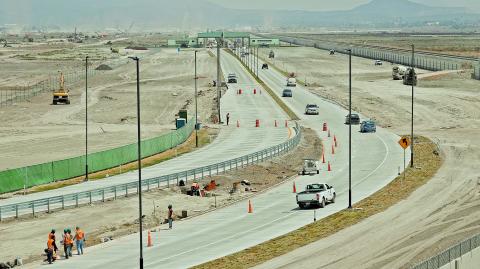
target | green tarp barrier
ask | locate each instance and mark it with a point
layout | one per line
(16, 179)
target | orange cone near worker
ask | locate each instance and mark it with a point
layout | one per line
(250, 207)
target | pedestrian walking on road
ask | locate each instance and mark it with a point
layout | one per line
(50, 250)
(51, 235)
(228, 118)
(67, 243)
(170, 217)
(80, 240)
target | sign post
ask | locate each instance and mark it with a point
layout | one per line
(404, 143)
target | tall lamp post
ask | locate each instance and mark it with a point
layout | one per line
(137, 60)
(196, 104)
(86, 118)
(413, 82)
(350, 128)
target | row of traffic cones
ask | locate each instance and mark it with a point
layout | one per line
(240, 91)
(257, 123)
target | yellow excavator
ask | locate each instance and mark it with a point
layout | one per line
(61, 95)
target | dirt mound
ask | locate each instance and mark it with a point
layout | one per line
(136, 48)
(103, 67)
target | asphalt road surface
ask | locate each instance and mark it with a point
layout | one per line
(376, 157)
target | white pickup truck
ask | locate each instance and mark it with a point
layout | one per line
(317, 195)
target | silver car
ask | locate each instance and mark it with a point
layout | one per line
(311, 109)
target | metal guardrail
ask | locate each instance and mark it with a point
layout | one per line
(113, 192)
(450, 254)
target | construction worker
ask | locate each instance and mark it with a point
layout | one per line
(80, 239)
(67, 243)
(50, 248)
(52, 235)
(170, 217)
(228, 118)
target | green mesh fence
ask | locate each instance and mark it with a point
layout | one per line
(16, 179)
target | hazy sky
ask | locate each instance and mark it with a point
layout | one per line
(473, 5)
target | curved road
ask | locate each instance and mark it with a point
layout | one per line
(231, 142)
(231, 229)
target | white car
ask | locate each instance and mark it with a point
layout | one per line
(317, 195)
(311, 109)
(378, 62)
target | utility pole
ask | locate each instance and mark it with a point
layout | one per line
(350, 129)
(412, 79)
(219, 89)
(196, 104)
(86, 118)
(137, 60)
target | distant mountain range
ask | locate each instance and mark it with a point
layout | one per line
(195, 14)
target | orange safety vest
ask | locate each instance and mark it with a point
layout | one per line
(50, 244)
(79, 235)
(68, 239)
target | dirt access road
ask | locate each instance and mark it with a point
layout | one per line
(36, 131)
(445, 210)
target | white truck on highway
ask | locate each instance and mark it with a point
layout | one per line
(316, 195)
(398, 72)
(291, 82)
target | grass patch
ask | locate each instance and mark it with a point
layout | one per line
(428, 161)
(186, 147)
(275, 97)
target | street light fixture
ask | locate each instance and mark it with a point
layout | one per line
(86, 118)
(137, 60)
(350, 128)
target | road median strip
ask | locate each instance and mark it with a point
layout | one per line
(428, 161)
(275, 97)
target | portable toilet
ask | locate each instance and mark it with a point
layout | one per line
(179, 123)
(183, 114)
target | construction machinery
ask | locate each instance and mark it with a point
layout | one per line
(410, 77)
(398, 72)
(61, 95)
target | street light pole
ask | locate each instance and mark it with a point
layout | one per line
(350, 128)
(413, 82)
(137, 60)
(196, 104)
(86, 118)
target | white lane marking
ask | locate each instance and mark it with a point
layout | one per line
(223, 239)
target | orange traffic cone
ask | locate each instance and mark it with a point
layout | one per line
(149, 241)
(276, 123)
(323, 157)
(333, 150)
(335, 140)
(286, 123)
(329, 167)
(238, 124)
(294, 188)
(250, 208)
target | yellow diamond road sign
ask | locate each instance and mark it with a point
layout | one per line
(404, 142)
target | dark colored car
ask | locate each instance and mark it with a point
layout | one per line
(287, 93)
(354, 119)
(264, 66)
(368, 126)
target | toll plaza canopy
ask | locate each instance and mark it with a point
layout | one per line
(220, 34)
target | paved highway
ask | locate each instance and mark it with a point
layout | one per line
(231, 142)
(230, 229)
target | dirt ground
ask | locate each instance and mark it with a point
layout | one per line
(119, 217)
(447, 110)
(35, 131)
(463, 45)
